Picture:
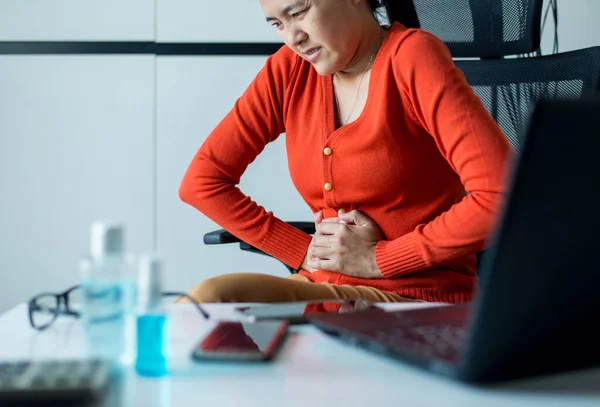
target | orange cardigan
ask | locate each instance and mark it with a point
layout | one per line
(422, 140)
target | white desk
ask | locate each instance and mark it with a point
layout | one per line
(312, 370)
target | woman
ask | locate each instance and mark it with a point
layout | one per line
(384, 137)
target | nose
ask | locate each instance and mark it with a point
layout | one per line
(295, 35)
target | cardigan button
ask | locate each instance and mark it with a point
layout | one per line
(327, 186)
(327, 151)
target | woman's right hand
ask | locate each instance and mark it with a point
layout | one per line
(317, 218)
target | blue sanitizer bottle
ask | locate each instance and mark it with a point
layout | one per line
(108, 294)
(152, 322)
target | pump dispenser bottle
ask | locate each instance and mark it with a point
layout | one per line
(108, 294)
(152, 321)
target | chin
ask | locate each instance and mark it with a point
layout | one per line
(324, 70)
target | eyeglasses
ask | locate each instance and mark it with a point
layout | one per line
(201, 310)
(45, 308)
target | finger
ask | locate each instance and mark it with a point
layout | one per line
(329, 228)
(322, 241)
(323, 264)
(333, 240)
(318, 218)
(331, 220)
(355, 217)
(324, 253)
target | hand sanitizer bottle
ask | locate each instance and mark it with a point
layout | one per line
(152, 323)
(108, 294)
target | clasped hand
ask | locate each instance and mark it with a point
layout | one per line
(345, 245)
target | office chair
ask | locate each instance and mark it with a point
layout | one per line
(490, 30)
(483, 28)
(508, 87)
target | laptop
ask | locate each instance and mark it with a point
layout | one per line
(538, 300)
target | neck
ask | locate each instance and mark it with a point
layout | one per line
(365, 53)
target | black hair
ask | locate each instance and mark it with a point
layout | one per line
(402, 11)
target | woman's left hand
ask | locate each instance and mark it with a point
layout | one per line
(346, 245)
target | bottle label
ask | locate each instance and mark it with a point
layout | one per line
(107, 315)
(103, 302)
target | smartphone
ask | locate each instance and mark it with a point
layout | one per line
(296, 312)
(241, 341)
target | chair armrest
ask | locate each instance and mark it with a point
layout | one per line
(222, 236)
(306, 227)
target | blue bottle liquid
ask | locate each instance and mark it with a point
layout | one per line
(152, 322)
(152, 345)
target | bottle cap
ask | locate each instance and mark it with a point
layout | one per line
(107, 239)
(150, 281)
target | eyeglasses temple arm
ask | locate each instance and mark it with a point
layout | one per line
(202, 311)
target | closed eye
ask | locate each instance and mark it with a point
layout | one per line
(298, 13)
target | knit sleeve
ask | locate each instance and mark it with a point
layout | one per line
(443, 103)
(210, 182)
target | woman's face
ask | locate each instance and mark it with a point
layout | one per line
(325, 33)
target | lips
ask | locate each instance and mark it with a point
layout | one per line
(312, 53)
(310, 50)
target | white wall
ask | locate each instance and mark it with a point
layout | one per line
(93, 137)
(76, 140)
(85, 20)
(210, 21)
(76, 145)
(578, 26)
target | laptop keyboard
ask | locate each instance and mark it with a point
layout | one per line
(436, 333)
(443, 341)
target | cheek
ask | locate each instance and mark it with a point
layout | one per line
(338, 41)
(330, 36)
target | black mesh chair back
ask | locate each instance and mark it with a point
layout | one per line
(483, 28)
(507, 87)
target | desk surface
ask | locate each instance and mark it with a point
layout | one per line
(311, 370)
